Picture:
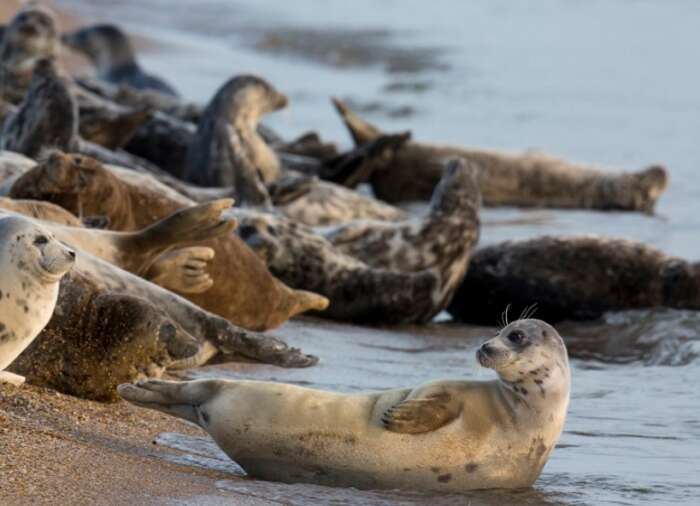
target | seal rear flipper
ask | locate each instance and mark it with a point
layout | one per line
(176, 398)
(415, 416)
(189, 225)
(359, 129)
(357, 165)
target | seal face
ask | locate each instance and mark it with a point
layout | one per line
(452, 435)
(227, 150)
(30, 36)
(32, 262)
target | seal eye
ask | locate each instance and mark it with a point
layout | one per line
(517, 337)
(41, 240)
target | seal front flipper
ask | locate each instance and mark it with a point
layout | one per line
(415, 416)
(183, 270)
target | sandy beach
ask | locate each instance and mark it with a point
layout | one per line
(58, 449)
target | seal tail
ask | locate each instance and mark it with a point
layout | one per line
(176, 398)
(361, 131)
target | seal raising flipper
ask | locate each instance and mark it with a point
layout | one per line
(183, 270)
(360, 130)
(422, 414)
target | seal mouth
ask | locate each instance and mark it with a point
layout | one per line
(53, 269)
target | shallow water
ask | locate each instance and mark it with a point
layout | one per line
(612, 82)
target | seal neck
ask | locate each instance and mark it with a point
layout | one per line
(542, 390)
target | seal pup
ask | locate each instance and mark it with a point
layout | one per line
(528, 180)
(577, 277)
(446, 436)
(227, 149)
(243, 290)
(441, 241)
(30, 36)
(109, 49)
(97, 339)
(33, 262)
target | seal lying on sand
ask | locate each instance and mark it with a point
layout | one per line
(32, 263)
(97, 339)
(109, 49)
(227, 149)
(527, 180)
(30, 36)
(453, 435)
(243, 292)
(576, 277)
(377, 272)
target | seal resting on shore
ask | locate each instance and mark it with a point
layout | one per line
(452, 435)
(244, 291)
(525, 180)
(30, 36)
(577, 277)
(375, 272)
(97, 339)
(227, 150)
(33, 262)
(109, 49)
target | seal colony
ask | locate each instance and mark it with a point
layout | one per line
(452, 435)
(123, 261)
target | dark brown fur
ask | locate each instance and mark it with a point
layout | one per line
(573, 278)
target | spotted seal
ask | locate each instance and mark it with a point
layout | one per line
(451, 435)
(110, 50)
(33, 262)
(243, 289)
(528, 180)
(576, 277)
(374, 272)
(442, 240)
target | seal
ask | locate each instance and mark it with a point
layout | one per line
(576, 277)
(32, 262)
(447, 436)
(31, 35)
(97, 339)
(46, 118)
(527, 180)
(375, 272)
(441, 241)
(227, 149)
(243, 290)
(109, 49)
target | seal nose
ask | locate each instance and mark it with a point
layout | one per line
(487, 349)
(71, 254)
